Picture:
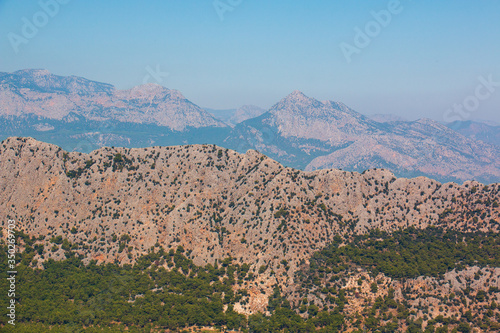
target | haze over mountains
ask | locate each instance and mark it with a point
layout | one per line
(321, 243)
(478, 131)
(40, 93)
(306, 133)
(236, 116)
(299, 131)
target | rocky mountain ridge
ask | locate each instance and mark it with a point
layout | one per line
(116, 204)
(298, 131)
(303, 132)
(218, 203)
(43, 94)
(489, 133)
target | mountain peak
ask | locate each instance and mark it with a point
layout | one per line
(297, 95)
(56, 97)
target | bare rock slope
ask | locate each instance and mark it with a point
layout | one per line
(311, 134)
(40, 93)
(218, 203)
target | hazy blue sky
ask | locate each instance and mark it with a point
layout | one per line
(427, 58)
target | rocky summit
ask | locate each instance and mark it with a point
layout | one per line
(40, 93)
(306, 133)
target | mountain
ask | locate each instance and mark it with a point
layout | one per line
(298, 128)
(305, 240)
(298, 131)
(246, 112)
(236, 116)
(37, 92)
(302, 117)
(477, 131)
(223, 115)
(422, 147)
(244, 191)
(83, 115)
(305, 133)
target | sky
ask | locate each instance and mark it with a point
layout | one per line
(414, 59)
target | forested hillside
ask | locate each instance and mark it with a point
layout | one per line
(166, 291)
(239, 241)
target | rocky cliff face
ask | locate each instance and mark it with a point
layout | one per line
(218, 203)
(37, 92)
(302, 117)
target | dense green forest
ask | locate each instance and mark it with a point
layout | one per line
(68, 296)
(410, 252)
(401, 255)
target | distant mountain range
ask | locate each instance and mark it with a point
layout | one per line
(299, 131)
(84, 115)
(233, 117)
(477, 131)
(303, 132)
(37, 92)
